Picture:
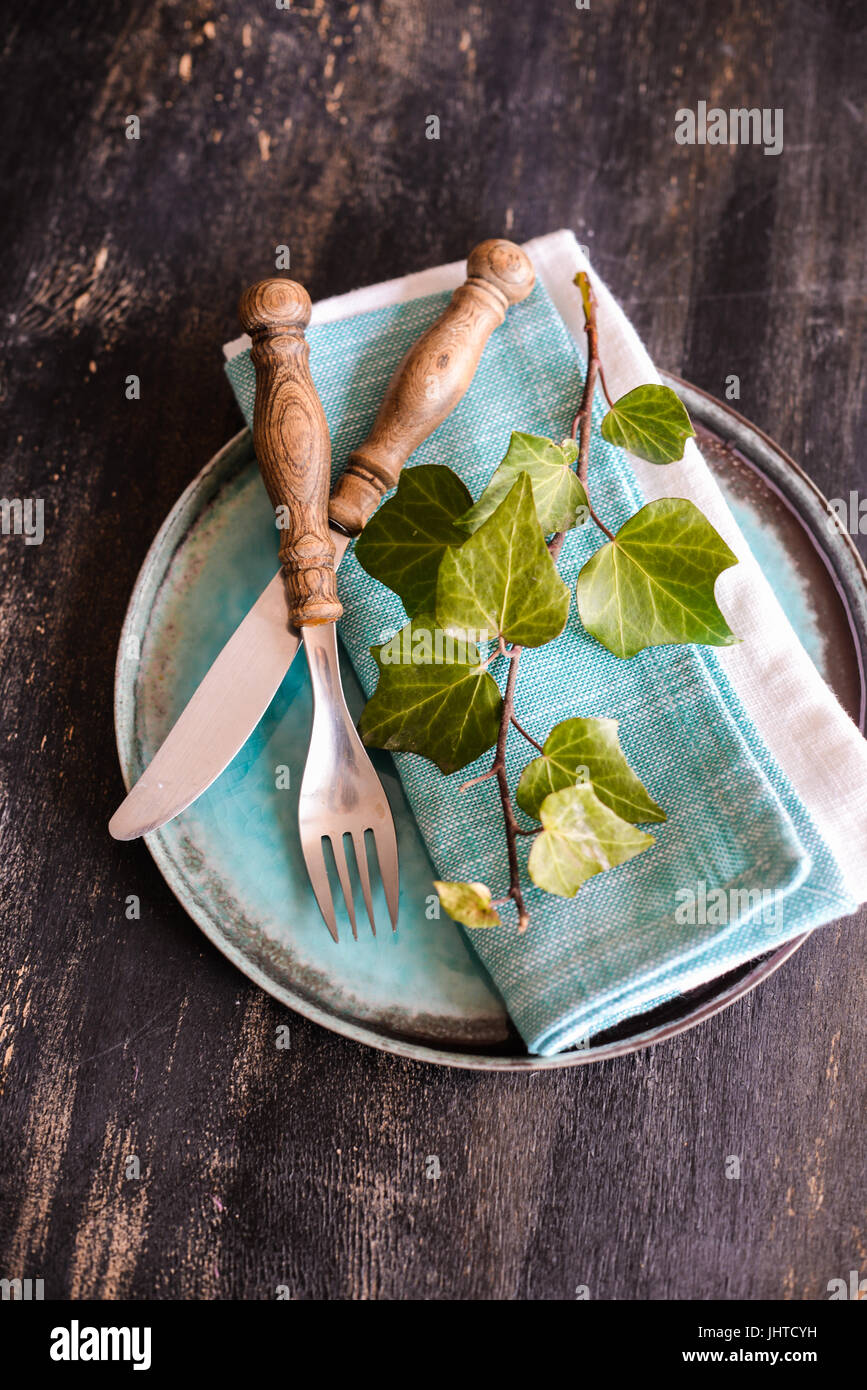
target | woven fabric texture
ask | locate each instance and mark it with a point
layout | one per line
(633, 937)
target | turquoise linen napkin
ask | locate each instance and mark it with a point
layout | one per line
(651, 928)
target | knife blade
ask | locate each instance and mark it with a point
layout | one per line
(243, 680)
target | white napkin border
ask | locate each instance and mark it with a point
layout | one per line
(799, 718)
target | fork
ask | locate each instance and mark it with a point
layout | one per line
(341, 796)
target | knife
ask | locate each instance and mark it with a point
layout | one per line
(243, 680)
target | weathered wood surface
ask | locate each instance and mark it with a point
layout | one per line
(306, 127)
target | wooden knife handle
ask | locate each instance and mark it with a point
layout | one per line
(290, 436)
(431, 379)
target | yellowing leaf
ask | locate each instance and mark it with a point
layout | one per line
(468, 903)
(580, 837)
(586, 750)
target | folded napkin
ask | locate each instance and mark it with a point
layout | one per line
(779, 831)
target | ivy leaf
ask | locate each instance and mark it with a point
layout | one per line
(560, 499)
(502, 581)
(654, 583)
(580, 837)
(650, 422)
(404, 541)
(468, 903)
(433, 698)
(586, 750)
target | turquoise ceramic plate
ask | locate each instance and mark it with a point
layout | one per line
(233, 859)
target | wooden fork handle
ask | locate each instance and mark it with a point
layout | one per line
(290, 436)
(431, 379)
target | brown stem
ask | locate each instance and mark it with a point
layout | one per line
(555, 545)
(500, 650)
(604, 386)
(583, 423)
(509, 821)
(528, 737)
(474, 781)
(583, 418)
(599, 522)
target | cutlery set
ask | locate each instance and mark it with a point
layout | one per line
(342, 800)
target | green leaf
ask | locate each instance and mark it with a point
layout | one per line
(557, 492)
(654, 583)
(580, 837)
(469, 903)
(502, 581)
(433, 698)
(650, 422)
(586, 750)
(404, 541)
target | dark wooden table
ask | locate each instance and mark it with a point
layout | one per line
(122, 1039)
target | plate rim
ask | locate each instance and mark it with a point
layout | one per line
(155, 564)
